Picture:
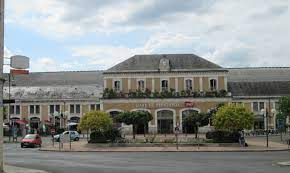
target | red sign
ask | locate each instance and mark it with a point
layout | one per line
(189, 104)
(52, 131)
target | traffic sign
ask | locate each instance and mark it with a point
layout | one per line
(52, 131)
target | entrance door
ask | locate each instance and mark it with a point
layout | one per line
(165, 121)
(34, 122)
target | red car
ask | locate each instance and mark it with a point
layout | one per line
(31, 140)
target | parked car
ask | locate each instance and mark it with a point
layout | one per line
(74, 136)
(31, 140)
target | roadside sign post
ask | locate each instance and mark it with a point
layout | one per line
(52, 131)
(70, 140)
(176, 131)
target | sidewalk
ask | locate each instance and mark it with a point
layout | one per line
(13, 169)
(83, 146)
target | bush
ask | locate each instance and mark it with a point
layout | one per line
(110, 135)
(223, 136)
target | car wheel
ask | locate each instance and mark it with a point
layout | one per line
(22, 146)
(76, 139)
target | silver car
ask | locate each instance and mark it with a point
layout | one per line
(74, 135)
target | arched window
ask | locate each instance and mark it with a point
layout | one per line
(117, 85)
(213, 84)
(188, 84)
(141, 85)
(164, 85)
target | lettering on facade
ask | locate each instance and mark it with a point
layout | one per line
(158, 105)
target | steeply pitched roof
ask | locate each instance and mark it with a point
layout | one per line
(151, 63)
(268, 88)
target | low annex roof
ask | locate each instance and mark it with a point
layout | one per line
(151, 62)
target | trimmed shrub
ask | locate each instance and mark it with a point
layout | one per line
(223, 136)
(110, 135)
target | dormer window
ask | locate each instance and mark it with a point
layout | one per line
(141, 85)
(164, 85)
(117, 85)
(213, 84)
(188, 84)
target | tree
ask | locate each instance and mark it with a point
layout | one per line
(134, 118)
(214, 110)
(195, 120)
(284, 106)
(233, 118)
(96, 121)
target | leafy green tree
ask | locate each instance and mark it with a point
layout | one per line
(96, 121)
(284, 106)
(233, 118)
(195, 120)
(134, 118)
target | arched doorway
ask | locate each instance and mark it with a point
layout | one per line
(165, 121)
(188, 128)
(34, 122)
(113, 114)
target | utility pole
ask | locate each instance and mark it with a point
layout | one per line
(1, 80)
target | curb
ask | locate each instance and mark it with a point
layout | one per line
(141, 151)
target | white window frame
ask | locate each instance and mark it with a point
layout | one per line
(34, 113)
(192, 84)
(113, 84)
(54, 108)
(142, 89)
(14, 107)
(217, 83)
(259, 107)
(75, 108)
(94, 106)
(161, 89)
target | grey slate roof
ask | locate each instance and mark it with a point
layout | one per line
(259, 74)
(268, 88)
(58, 78)
(151, 63)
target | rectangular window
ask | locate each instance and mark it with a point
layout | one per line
(255, 106)
(72, 109)
(261, 106)
(92, 107)
(188, 84)
(98, 107)
(57, 108)
(31, 109)
(37, 109)
(95, 107)
(117, 85)
(51, 109)
(11, 110)
(213, 84)
(17, 111)
(141, 85)
(78, 109)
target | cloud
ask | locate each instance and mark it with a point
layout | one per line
(230, 33)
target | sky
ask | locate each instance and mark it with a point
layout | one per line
(70, 35)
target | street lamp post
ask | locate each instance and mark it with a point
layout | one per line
(266, 113)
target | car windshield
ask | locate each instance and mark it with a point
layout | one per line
(30, 137)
